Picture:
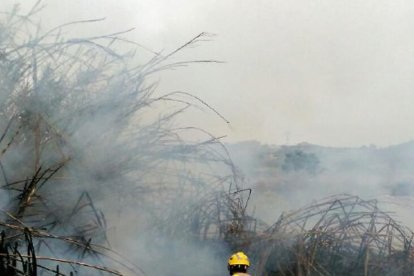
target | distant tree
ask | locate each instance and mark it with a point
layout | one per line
(402, 188)
(298, 160)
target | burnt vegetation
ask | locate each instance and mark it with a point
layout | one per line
(341, 235)
(76, 127)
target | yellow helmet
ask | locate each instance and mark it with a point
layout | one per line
(239, 258)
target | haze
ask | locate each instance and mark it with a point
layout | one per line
(334, 73)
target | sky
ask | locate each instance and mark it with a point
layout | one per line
(328, 72)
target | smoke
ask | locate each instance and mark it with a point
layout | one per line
(158, 254)
(90, 149)
(94, 157)
(288, 177)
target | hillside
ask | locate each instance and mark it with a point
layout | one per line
(285, 177)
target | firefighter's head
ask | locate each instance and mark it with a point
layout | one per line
(238, 262)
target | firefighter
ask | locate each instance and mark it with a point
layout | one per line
(238, 264)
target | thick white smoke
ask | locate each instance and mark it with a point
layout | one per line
(91, 152)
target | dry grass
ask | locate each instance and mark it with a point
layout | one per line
(73, 126)
(341, 235)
